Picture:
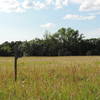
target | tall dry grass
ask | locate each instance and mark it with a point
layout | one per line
(51, 78)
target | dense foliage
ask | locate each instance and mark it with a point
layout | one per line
(65, 42)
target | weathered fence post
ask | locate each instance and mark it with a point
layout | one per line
(15, 61)
(17, 53)
(15, 68)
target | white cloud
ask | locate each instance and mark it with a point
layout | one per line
(38, 5)
(44, 4)
(58, 4)
(87, 5)
(10, 6)
(19, 10)
(94, 13)
(33, 4)
(92, 33)
(49, 2)
(20, 6)
(90, 5)
(78, 17)
(76, 1)
(27, 4)
(61, 3)
(48, 25)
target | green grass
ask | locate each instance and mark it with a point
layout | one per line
(50, 78)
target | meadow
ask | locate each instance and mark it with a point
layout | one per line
(51, 78)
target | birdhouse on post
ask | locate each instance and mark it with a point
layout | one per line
(17, 54)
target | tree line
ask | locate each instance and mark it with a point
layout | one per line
(64, 42)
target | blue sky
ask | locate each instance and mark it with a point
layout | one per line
(27, 19)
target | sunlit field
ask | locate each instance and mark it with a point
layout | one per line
(50, 78)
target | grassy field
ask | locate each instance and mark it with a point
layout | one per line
(51, 78)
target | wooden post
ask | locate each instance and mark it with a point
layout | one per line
(15, 61)
(15, 68)
(17, 53)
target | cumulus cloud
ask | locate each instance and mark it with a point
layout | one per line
(38, 5)
(61, 3)
(47, 26)
(27, 4)
(87, 5)
(90, 33)
(20, 6)
(10, 6)
(90, 5)
(78, 17)
(33, 4)
(76, 1)
(49, 2)
(44, 4)
(84, 5)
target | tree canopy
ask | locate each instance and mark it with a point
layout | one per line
(64, 42)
